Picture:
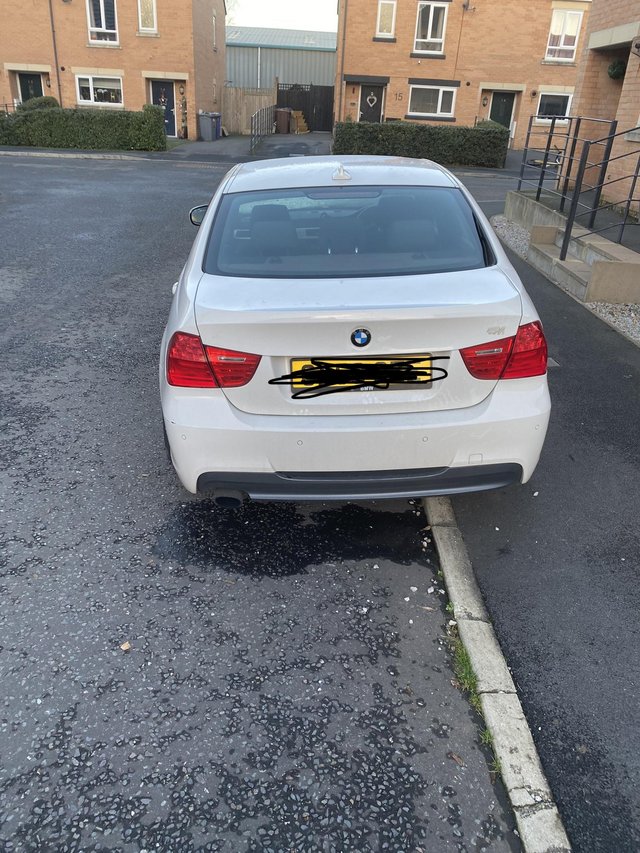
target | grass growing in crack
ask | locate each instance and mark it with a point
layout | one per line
(465, 675)
(486, 738)
(495, 766)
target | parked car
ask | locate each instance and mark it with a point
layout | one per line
(350, 328)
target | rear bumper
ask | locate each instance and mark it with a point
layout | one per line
(360, 485)
(424, 453)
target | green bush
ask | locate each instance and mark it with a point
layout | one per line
(88, 129)
(483, 145)
(45, 102)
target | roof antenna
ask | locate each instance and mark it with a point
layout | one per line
(341, 174)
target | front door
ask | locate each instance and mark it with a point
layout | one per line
(502, 107)
(371, 103)
(162, 95)
(30, 86)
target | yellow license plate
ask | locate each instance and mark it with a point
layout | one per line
(361, 373)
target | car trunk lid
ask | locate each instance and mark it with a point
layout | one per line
(289, 322)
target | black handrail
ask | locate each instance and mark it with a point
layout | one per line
(573, 142)
(603, 165)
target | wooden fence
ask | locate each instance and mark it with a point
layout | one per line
(239, 105)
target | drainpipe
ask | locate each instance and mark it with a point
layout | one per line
(344, 37)
(259, 68)
(55, 52)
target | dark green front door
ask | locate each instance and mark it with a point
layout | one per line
(30, 86)
(502, 107)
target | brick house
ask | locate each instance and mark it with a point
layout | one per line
(608, 84)
(458, 60)
(116, 54)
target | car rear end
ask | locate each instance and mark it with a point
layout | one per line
(351, 337)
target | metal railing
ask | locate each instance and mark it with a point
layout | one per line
(567, 165)
(7, 108)
(262, 124)
(581, 186)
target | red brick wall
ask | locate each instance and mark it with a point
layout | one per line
(493, 41)
(26, 39)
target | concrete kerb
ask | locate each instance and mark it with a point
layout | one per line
(85, 155)
(537, 816)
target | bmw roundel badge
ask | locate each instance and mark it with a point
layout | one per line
(361, 337)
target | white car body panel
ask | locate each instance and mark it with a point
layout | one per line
(259, 429)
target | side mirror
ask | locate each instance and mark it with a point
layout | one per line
(196, 214)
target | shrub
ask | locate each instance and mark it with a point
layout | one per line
(86, 129)
(483, 145)
(45, 102)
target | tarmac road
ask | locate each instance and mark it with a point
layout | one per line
(558, 562)
(286, 685)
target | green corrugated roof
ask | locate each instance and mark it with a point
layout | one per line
(289, 39)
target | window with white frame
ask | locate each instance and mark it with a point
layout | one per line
(147, 16)
(430, 27)
(563, 35)
(386, 25)
(432, 101)
(103, 25)
(553, 105)
(215, 34)
(99, 90)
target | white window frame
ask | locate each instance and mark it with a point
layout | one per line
(394, 5)
(215, 33)
(438, 114)
(562, 46)
(93, 31)
(421, 6)
(154, 28)
(93, 103)
(559, 119)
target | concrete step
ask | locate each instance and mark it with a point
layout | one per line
(590, 247)
(572, 273)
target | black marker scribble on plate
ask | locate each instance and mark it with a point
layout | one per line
(324, 377)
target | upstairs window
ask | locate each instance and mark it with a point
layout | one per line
(430, 27)
(563, 36)
(101, 15)
(147, 16)
(386, 25)
(215, 33)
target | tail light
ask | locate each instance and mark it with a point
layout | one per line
(523, 355)
(191, 364)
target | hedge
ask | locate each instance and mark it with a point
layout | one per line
(483, 145)
(86, 129)
(44, 102)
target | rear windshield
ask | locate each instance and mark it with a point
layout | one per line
(345, 231)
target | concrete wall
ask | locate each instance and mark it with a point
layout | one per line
(494, 45)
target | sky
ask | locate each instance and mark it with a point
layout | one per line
(287, 14)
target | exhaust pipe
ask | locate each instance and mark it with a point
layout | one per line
(229, 500)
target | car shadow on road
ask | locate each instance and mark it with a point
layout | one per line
(282, 539)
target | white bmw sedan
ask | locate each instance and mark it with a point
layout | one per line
(350, 328)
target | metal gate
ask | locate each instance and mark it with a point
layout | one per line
(315, 103)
